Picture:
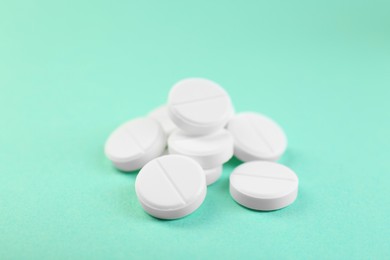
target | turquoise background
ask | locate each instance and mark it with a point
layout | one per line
(72, 71)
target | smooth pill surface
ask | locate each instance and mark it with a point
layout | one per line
(213, 174)
(256, 137)
(209, 151)
(135, 143)
(262, 185)
(199, 106)
(162, 116)
(171, 186)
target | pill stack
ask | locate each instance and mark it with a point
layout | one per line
(181, 148)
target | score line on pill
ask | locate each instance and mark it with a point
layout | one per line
(199, 106)
(171, 186)
(257, 137)
(262, 185)
(135, 143)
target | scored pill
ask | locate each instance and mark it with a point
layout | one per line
(256, 137)
(135, 143)
(171, 186)
(199, 106)
(262, 185)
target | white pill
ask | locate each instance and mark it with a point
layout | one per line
(209, 151)
(135, 143)
(199, 106)
(256, 137)
(213, 174)
(162, 116)
(262, 185)
(171, 186)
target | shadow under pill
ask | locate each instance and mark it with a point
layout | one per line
(201, 218)
(233, 163)
(130, 207)
(287, 158)
(204, 217)
(132, 174)
(296, 208)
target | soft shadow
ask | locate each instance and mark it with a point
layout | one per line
(289, 157)
(218, 201)
(259, 211)
(131, 174)
(232, 163)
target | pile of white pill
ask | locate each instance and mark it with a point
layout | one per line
(181, 148)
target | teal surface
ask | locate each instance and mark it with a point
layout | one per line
(72, 71)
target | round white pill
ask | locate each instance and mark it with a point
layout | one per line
(199, 106)
(209, 151)
(162, 116)
(213, 174)
(171, 186)
(135, 143)
(262, 185)
(256, 137)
